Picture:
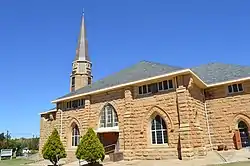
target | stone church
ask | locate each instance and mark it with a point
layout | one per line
(151, 110)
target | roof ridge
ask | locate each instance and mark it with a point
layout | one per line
(221, 63)
(158, 63)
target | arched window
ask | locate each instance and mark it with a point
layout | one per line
(244, 134)
(108, 117)
(159, 131)
(75, 135)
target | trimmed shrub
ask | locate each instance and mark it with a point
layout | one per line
(53, 149)
(90, 148)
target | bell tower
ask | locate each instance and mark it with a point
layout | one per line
(81, 66)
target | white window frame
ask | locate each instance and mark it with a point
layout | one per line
(237, 84)
(109, 118)
(155, 132)
(73, 136)
(147, 87)
(163, 85)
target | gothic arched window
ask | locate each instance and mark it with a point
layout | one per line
(75, 135)
(158, 131)
(108, 117)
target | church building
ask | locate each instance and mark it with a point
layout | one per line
(151, 110)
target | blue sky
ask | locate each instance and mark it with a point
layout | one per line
(38, 42)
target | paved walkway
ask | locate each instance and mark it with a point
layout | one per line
(212, 158)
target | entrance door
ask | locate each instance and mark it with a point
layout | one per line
(109, 141)
(244, 135)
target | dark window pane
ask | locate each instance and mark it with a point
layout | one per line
(115, 117)
(153, 137)
(240, 87)
(165, 136)
(77, 132)
(82, 102)
(112, 118)
(235, 89)
(73, 141)
(170, 82)
(144, 89)
(73, 81)
(160, 85)
(89, 80)
(74, 103)
(153, 125)
(140, 90)
(158, 118)
(230, 90)
(159, 137)
(164, 124)
(149, 88)
(158, 124)
(165, 85)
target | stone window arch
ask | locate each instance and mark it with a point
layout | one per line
(75, 135)
(158, 130)
(108, 117)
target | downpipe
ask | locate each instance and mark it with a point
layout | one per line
(208, 126)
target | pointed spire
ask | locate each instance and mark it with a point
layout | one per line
(82, 46)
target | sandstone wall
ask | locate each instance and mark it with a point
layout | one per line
(163, 104)
(47, 124)
(116, 99)
(187, 131)
(198, 120)
(225, 111)
(89, 117)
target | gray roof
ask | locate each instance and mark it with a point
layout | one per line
(52, 109)
(218, 72)
(210, 73)
(141, 70)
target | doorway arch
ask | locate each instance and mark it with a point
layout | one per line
(244, 134)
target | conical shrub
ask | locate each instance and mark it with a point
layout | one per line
(90, 148)
(53, 149)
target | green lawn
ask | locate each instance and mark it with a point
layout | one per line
(236, 164)
(13, 162)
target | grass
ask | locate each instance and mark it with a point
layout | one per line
(14, 162)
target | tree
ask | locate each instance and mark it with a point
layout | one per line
(90, 148)
(53, 149)
(2, 137)
(33, 143)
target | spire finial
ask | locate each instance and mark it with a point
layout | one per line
(83, 11)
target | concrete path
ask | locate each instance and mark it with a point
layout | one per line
(212, 158)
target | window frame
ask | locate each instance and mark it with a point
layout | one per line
(74, 104)
(75, 135)
(108, 117)
(148, 89)
(232, 88)
(153, 132)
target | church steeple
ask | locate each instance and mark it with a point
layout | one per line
(81, 66)
(82, 45)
